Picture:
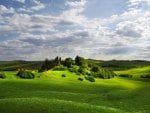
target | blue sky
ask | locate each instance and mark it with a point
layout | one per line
(100, 29)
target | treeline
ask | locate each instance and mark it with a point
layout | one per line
(79, 65)
(117, 65)
(15, 65)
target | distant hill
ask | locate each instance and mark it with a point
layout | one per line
(111, 65)
(120, 64)
(123, 64)
(15, 65)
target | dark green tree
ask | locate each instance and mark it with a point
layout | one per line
(68, 62)
(80, 61)
(95, 69)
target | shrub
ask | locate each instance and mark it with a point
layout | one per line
(73, 69)
(59, 68)
(90, 78)
(63, 75)
(95, 69)
(146, 76)
(2, 75)
(25, 74)
(80, 79)
(78, 73)
(38, 76)
(82, 70)
(99, 75)
(104, 74)
(125, 75)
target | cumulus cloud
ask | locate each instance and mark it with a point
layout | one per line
(71, 33)
(36, 1)
(21, 1)
(129, 29)
(38, 7)
(4, 10)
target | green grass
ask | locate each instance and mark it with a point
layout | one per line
(52, 93)
(136, 72)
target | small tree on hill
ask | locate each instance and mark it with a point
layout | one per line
(95, 69)
(80, 61)
(68, 62)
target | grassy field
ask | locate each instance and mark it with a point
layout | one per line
(52, 93)
(136, 72)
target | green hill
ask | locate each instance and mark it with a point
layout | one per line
(135, 72)
(49, 92)
(15, 65)
(117, 65)
(73, 86)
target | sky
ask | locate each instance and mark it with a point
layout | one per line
(97, 29)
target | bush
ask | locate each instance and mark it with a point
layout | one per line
(99, 75)
(2, 75)
(146, 76)
(60, 68)
(90, 78)
(74, 68)
(81, 79)
(95, 69)
(104, 74)
(82, 70)
(125, 75)
(25, 74)
(63, 75)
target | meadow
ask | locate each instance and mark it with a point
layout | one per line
(49, 92)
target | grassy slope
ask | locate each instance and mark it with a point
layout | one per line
(15, 65)
(136, 72)
(53, 94)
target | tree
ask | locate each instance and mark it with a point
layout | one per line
(68, 62)
(57, 61)
(95, 69)
(80, 61)
(48, 64)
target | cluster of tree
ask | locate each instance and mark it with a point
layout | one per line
(80, 66)
(68, 62)
(49, 64)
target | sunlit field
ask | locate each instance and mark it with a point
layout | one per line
(52, 93)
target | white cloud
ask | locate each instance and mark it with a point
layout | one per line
(31, 9)
(37, 7)
(71, 33)
(4, 9)
(28, 23)
(36, 1)
(76, 4)
(21, 1)
(129, 29)
(139, 4)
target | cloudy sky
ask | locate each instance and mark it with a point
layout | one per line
(100, 29)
